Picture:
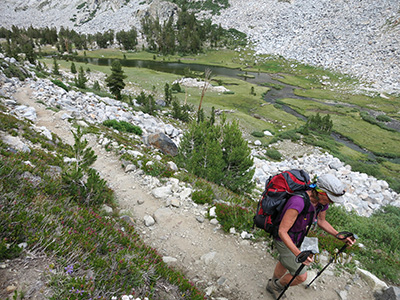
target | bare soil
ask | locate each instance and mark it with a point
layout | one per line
(224, 265)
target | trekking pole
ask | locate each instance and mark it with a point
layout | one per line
(345, 235)
(302, 257)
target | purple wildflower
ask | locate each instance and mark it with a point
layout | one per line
(69, 269)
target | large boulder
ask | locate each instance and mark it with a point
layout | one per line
(392, 293)
(163, 142)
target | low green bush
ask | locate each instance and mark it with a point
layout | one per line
(60, 84)
(202, 196)
(258, 134)
(123, 126)
(234, 216)
(203, 192)
(370, 119)
(286, 135)
(383, 118)
(157, 169)
(274, 154)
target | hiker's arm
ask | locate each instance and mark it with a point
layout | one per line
(325, 225)
(287, 222)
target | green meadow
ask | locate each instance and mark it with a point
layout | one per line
(324, 92)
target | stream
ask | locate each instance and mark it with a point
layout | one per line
(287, 91)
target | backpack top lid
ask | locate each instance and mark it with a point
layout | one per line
(332, 186)
(279, 187)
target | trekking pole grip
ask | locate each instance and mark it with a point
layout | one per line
(343, 235)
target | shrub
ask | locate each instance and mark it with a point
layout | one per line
(203, 192)
(234, 216)
(123, 126)
(320, 124)
(176, 87)
(203, 196)
(257, 134)
(274, 154)
(368, 118)
(60, 84)
(383, 118)
(14, 71)
(157, 169)
(286, 135)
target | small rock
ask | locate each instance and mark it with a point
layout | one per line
(214, 221)
(107, 209)
(130, 168)
(149, 221)
(212, 211)
(200, 219)
(175, 202)
(169, 259)
(10, 289)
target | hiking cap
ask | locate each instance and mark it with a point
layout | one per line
(332, 186)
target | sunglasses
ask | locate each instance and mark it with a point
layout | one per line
(323, 193)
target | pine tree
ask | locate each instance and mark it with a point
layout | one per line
(200, 152)
(55, 67)
(217, 153)
(167, 94)
(73, 68)
(27, 48)
(80, 82)
(92, 190)
(96, 86)
(149, 105)
(116, 80)
(237, 157)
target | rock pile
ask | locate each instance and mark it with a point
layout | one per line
(351, 36)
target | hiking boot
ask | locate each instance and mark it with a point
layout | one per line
(274, 289)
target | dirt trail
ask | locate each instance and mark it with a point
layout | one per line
(224, 264)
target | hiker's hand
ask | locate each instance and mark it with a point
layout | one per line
(348, 237)
(309, 260)
(350, 240)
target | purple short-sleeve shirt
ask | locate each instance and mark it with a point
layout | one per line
(302, 221)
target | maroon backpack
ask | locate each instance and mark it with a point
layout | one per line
(278, 189)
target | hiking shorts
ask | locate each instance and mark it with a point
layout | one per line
(287, 258)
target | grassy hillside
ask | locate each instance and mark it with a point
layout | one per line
(94, 254)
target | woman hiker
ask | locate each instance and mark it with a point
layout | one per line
(293, 227)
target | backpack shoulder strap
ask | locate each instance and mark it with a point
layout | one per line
(307, 203)
(317, 211)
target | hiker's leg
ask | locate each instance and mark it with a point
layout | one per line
(299, 279)
(287, 262)
(279, 271)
